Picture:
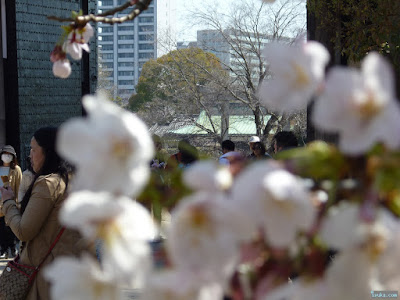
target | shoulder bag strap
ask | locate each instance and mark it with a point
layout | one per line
(52, 246)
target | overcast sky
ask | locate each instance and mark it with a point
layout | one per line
(186, 31)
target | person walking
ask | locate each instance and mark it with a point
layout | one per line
(11, 173)
(36, 224)
(228, 151)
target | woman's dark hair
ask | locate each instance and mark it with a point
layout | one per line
(46, 139)
(29, 164)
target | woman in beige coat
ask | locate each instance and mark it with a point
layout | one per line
(37, 223)
(9, 167)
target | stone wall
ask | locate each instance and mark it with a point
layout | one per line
(45, 100)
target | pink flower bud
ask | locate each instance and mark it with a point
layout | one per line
(62, 68)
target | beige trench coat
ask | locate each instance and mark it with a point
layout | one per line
(39, 226)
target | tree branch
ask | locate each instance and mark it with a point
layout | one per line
(140, 6)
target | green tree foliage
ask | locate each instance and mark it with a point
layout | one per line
(174, 77)
(361, 26)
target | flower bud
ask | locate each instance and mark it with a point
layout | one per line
(62, 68)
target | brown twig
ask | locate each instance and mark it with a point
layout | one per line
(140, 6)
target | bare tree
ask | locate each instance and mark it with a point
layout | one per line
(238, 38)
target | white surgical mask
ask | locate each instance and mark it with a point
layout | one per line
(6, 158)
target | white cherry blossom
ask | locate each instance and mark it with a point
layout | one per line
(80, 279)
(124, 226)
(62, 68)
(299, 289)
(204, 235)
(360, 106)
(172, 285)
(77, 41)
(274, 200)
(369, 248)
(110, 148)
(298, 72)
(208, 175)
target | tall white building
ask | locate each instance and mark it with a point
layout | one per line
(125, 47)
(166, 26)
(238, 51)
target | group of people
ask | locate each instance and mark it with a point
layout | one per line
(30, 205)
(283, 140)
(187, 153)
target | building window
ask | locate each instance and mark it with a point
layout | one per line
(106, 38)
(107, 29)
(126, 73)
(126, 28)
(125, 46)
(106, 65)
(146, 55)
(107, 47)
(125, 82)
(143, 28)
(148, 11)
(146, 19)
(106, 3)
(146, 46)
(125, 37)
(107, 55)
(146, 37)
(126, 64)
(125, 55)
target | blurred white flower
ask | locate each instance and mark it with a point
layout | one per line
(204, 235)
(62, 68)
(360, 106)
(208, 176)
(71, 278)
(298, 72)
(369, 248)
(275, 200)
(124, 226)
(299, 289)
(110, 148)
(177, 286)
(77, 41)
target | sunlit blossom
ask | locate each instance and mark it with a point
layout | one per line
(275, 200)
(369, 248)
(110, 148)
(124, 226)
(80, 279)
(204, 235)
(207, 175)
(298, 72)
(62, 68)
(172, 285)
(360, 106)
(77, 41)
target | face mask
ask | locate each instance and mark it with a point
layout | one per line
(6, 158)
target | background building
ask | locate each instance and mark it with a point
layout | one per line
(30, 95)
(124, 48)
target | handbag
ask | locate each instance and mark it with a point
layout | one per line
(17, 278)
